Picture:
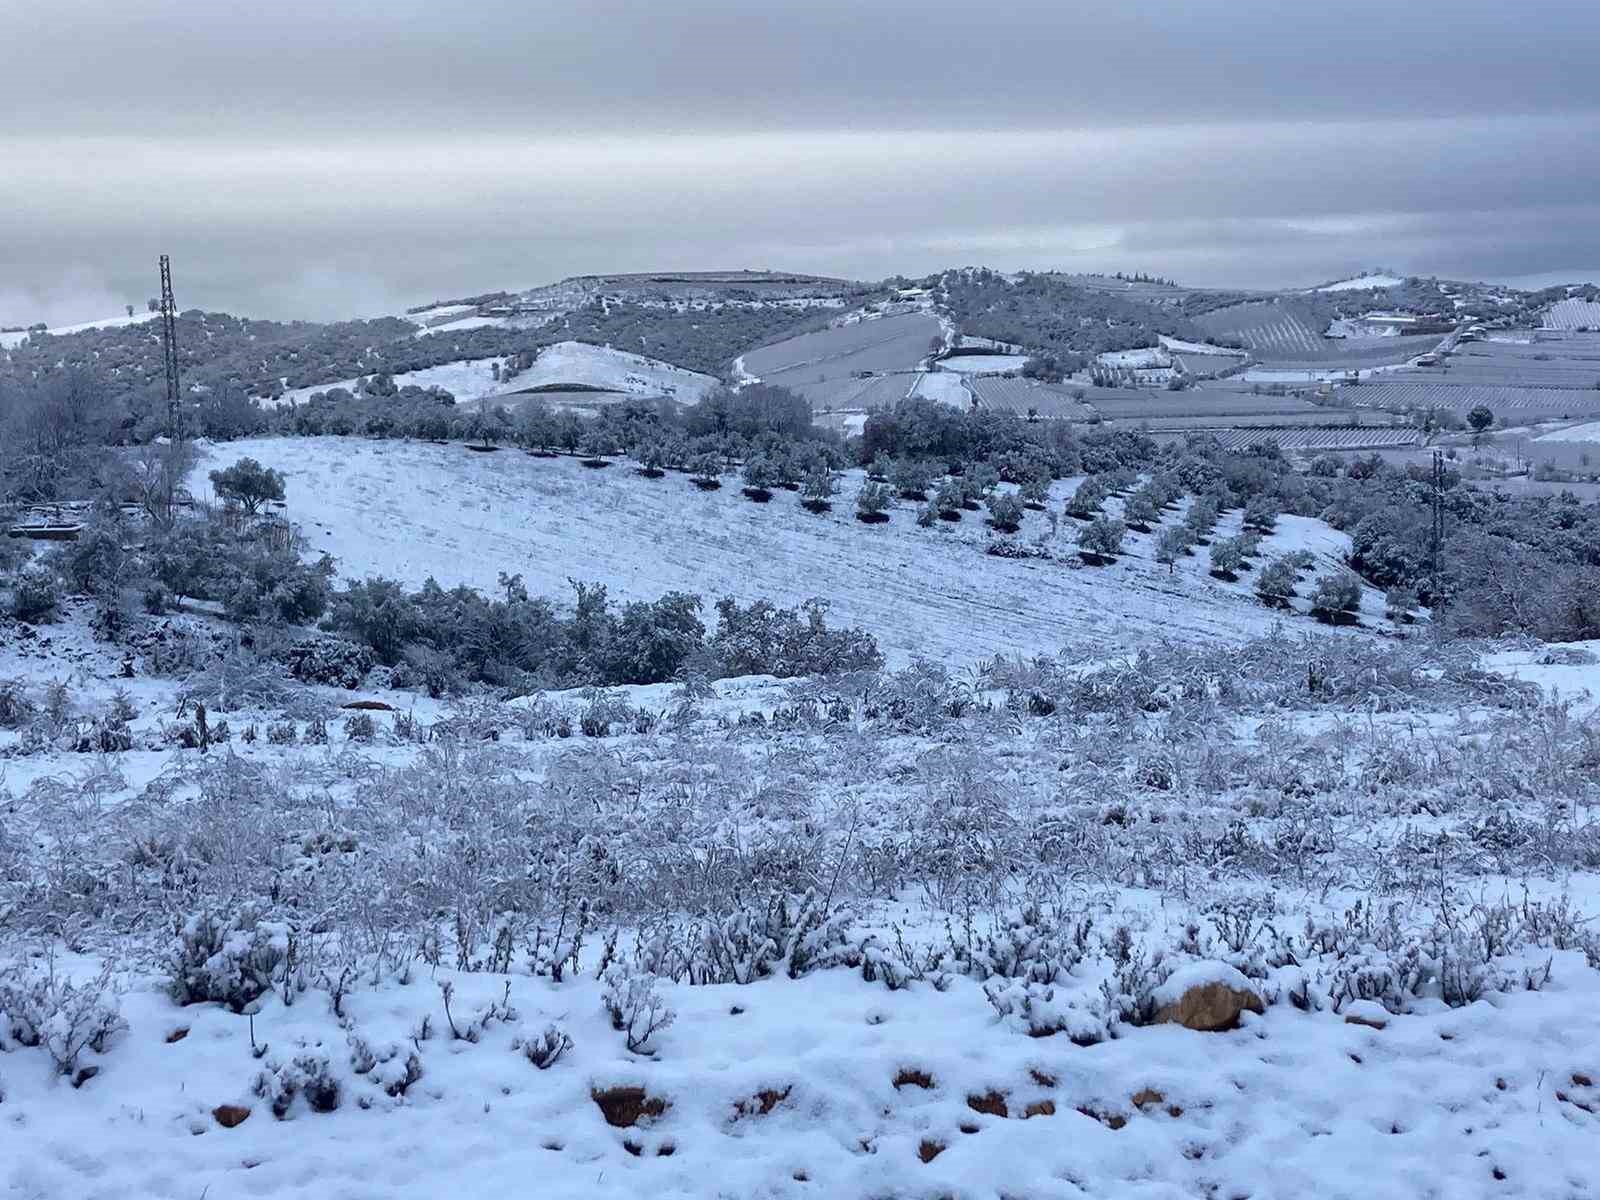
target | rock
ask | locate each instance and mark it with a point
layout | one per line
(1206, 996)
(230, 1115)
(624, 1107)
(1368, 1013)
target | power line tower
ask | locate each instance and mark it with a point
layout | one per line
(172, 459)
(169, 346)
(1436, 539)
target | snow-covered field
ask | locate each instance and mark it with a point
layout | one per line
(984, 364)
(565, 363)
(16, 337)
(1363, 281)
(1367, 864)
(410, 511)
(944, 387)
(1573, 433)
(1154, 356)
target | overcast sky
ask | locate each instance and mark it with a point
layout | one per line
(346, 158)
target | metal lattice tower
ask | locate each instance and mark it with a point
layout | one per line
(1437, 537)
(169, 346)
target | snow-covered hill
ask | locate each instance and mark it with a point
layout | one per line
(565, 364)
(410, 511)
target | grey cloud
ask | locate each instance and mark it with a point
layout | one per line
(343, 158)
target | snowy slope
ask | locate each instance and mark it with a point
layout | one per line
(565, 363)
(1362, 281)
(17, 337)
(410, 510)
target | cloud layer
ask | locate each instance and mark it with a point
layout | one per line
(344, 159)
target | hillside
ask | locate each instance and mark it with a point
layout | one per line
(411, 511)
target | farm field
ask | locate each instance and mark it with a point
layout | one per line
(559, 365)
(1121, 404)
(1283, 333)
(1573, 314)
(1308, 440)
(983, 364)
(848, 392)
(1460, 396)
(1323, 418)
(411, 511)
(893, 343)
(1022, 396)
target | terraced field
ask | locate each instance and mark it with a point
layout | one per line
(1285, 333)
(896, 343)
(878, 391)
(1573, 314)
(1212, 404)
(1461, 396)
(1572, 362)
(1313, 441)
(1022, 396)
(1321, 419)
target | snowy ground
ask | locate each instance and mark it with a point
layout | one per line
(410, 511)
(16, 337)
(984, 364)
(565, 363)
(1575, 433)
(829, 1084)
(1361, 282)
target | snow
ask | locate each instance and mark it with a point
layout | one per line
(1179, 346)
(14, 338)
(984, 364)
(1574, 433)
(1363, 281)
(565, 363)
(409, 511)
(1291, 1104)
(943, 387)
(464, 323)
(1151, 357)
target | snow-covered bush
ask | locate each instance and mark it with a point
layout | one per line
(636, 1008)
(36, 595)
(230, 959)
(308, 1075)
(327, 660)
(43, 1008)
(1043, 1010)
(545, 1048)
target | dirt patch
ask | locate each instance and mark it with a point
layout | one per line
(625, 1107)
(369, 706)
(230, 1116)
(911, 1077)
(929, 1150)
(761, 1103)
(992, 1103)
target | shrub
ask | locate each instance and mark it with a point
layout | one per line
(706, 471)
(327, 660)
(1227, 556)
(762, 639)
(948, 500)
(360, 728)
(872, 503)
(1005, 511)
(1261, 513)
(1172, 545)
(45, 1009)
(1086, 499)
(817, 488)
(1276, 582)
(309, 1075)
(1201, 518)
(1101, 539)
(911, 479)
(248, 484)
(1141, 512)
(1400, 604)
(758, 478)
(1035, 488)
(36, 595)
(544, 1049)
(636, 1008)
(1336, 598)
(927, 516)
(228, 960)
